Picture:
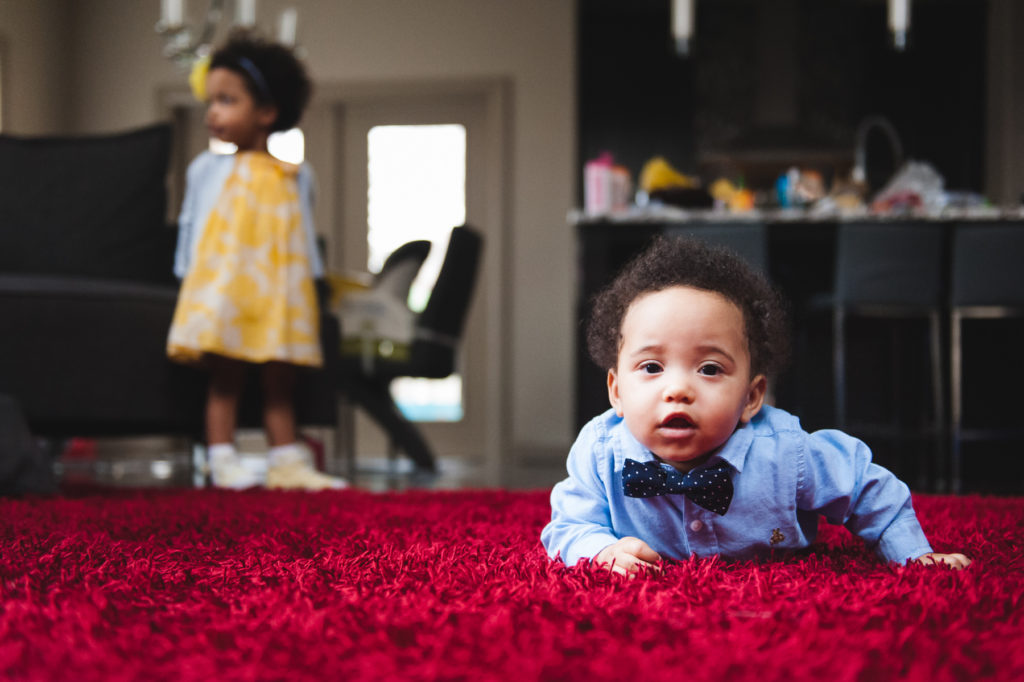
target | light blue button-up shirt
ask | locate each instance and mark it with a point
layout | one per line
(783, 477)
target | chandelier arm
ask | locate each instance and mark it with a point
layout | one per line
(180, 45)
(213, 15)
(185, 46)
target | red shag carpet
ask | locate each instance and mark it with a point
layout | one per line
(201, 585)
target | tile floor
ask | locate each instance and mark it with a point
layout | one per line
(121, 465)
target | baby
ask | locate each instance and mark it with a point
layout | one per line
(690, 460)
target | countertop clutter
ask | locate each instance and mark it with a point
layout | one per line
(915, 191)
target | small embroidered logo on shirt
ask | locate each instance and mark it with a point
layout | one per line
(777, 536)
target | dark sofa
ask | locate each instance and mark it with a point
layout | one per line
(87, 293)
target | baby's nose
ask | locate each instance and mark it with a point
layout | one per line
(678, 387)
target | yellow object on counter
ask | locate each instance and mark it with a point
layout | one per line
(742, 201)
(722, 190)
(738, 199)
(658, 174)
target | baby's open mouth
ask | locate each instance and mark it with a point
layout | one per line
(677, 422)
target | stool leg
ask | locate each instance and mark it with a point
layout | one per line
(956, 392)
(936, 461)
(839, 364)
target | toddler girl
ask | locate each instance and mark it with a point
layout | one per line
(247, 257)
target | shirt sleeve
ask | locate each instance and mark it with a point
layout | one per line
(581, 524)
(837, 479)
(307, 199)
(187, 220)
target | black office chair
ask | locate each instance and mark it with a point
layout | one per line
(892, 271)
(987, 284)
(432, 353)
(401, 267)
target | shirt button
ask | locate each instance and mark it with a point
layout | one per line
(696, 526)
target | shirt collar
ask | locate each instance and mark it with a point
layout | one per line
(734, 452)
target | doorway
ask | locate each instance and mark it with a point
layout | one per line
(413, 167)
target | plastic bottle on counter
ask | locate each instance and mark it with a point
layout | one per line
(606, 186)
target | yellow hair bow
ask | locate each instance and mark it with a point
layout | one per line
(197, 77)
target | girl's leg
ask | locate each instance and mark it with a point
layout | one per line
(278, 406)
(291, 464)
(226, 383)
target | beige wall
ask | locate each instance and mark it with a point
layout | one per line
(1004, 163)
(33, 51)
(117, 70)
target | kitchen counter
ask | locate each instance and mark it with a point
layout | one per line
(661, 214)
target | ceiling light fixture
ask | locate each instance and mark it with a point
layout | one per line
(683, 12)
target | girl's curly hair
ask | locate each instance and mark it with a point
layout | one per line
(669, 262)
(286, 85)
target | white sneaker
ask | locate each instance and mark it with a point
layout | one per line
(228, 471)
(291, 468)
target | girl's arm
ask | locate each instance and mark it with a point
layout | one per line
(187, 218)
(307, 200)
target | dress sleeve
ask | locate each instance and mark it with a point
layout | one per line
(307, 198)
(581, 523)
(837, 479)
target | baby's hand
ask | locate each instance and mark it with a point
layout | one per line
(628, 556)
(955, 561)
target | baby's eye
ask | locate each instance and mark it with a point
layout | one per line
(710, 370)
(650, 367)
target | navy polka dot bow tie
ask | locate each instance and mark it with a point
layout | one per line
(711, 488)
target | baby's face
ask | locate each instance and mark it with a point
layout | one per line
(683, 380)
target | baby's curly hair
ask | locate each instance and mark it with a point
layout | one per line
(669, 262)
(286, 85)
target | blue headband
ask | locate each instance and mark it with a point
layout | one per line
(257, 78)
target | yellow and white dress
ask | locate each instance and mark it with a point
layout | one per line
(248, 291)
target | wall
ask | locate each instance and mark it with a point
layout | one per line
(117, 71)
(33, 39)
(1005, 149)
(773, 85)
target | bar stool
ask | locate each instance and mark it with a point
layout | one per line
(748, 239)
(987, 284)
(892, 271)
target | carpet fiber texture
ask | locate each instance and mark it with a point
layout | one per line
(204, 584)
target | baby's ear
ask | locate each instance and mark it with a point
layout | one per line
(755, 398)
(613, 392)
